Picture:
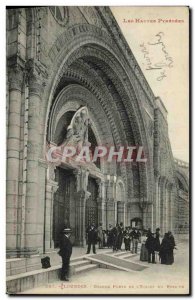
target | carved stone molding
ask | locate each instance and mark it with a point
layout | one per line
(37, 76)
(81, 179)
(51, 172)
(15, 77)
(82, 195)
(60, 14)
(43, 163)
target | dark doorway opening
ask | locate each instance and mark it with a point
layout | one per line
(62, 205)
(137, 222)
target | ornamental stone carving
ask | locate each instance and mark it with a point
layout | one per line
(60, 14)
(77, 131)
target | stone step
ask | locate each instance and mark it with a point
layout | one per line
(28, 280)
(88, 267)
(79, 263)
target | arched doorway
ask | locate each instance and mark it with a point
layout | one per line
(114, 111)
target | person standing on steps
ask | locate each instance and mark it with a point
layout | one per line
(92, 238)
(135, 239)
(65, 252)
(127, 239)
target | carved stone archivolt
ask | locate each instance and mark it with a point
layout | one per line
(114, 70)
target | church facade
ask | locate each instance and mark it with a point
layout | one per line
(65, 64)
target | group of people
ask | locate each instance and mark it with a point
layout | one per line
(113, 237)
(152, 247)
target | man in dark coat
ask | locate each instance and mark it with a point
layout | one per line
(120, 236)
(110, 237)
(134, 235)
(150, 246)
(65, 252)
(92, 238)
(114, 235)
(126, 239)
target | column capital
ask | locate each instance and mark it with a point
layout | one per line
(16, 77)
(156, 174)
(83, 195)
(37, 76)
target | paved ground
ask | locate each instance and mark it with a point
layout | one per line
(157, 279)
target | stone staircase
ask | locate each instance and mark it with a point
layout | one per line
(27, 273)
(21, 280)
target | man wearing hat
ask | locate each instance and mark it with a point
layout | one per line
(134, 235)
(65, 252)
(92, 237)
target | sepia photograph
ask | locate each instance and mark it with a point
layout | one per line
(97, 152)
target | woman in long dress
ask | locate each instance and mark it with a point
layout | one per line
(163, 249)
(144, 252)
(170, 255)
(166, 249)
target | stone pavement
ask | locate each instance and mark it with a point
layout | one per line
(157, 279)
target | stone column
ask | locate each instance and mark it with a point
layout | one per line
(13, 150)
(128, 210)
(171, 208)
(115, 212)
(101, 212)
(120, 211)
(101, 203)
(124, 209)
(81, 195)
(166, 209)
(152, 217)
(110, 210)
(156, 206)
(159, 206)
(162, 206)
(51, 188)
(33, 223)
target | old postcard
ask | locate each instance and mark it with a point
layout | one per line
(97, 150)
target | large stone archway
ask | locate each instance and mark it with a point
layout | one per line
(91, 75)
(94, 64)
